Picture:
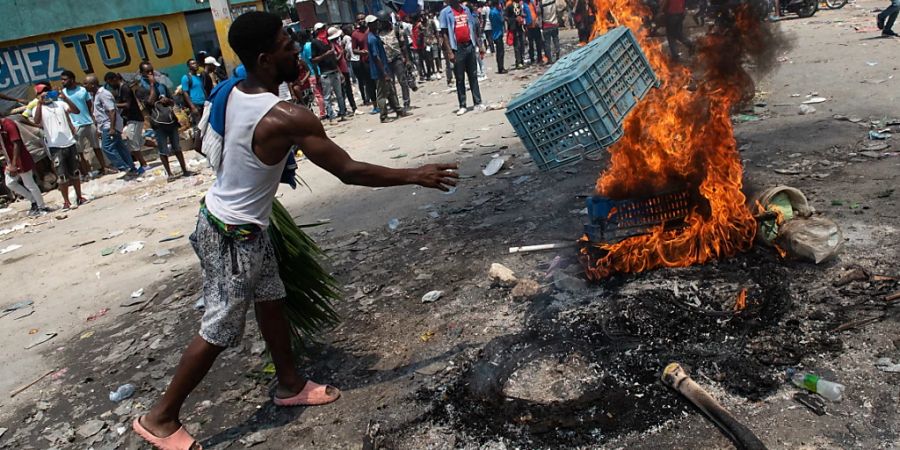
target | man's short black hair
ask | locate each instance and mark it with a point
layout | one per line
(144, 65)
(110, 76)
(253, 33)
(68, 74)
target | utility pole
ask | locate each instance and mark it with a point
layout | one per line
(221, 12)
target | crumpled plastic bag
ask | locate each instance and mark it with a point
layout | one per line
(815, 239)
(788, 202)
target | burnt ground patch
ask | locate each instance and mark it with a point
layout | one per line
(619, 336)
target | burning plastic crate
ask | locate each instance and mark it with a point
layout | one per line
(577, 107)
(614, 220)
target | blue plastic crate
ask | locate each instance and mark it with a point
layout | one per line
(577, 107)
(613, 220)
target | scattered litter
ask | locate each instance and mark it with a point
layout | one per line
(15, 307)
(253, 439)
(398, 156)
(806, 109)
(82, 244)
(269, 369)
(675, 377)
(171, 238)
(875, 135)
(106, 252)
(137, 293)
(828, 389)
(90, 428)
(97, 315)
(121, 429)
(450, 191)
(426, 336)
(814, 402)
(113, 234)
(18, 227)
(432, 296)
(123, 392)
(10, 248)
(86, 334)
(872, 63)
(22, 388)
(816, 239)
(502, 274)
(815, 100)
(525, 289)
(40, 340)
(393, 224)
(534, 248)
(494, 166)
(875, 146)
(521, 179)
(786, 224)
(886, 365)
(162, 253)
(742, 118)
(131, 247)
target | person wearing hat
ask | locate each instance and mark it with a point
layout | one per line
(326, 57)
(306, 55)
(380, 68)
(215, 71)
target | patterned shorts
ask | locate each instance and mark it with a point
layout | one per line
(235, 275)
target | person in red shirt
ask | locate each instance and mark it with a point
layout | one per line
(20, 166)
(674, 11)
(360, 44)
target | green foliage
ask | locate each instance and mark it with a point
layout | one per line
(310, 288)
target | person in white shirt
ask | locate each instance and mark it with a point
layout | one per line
(111, 125)
(52, 114)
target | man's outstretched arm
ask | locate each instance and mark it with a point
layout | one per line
(306, 131)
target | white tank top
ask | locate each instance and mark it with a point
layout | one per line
(245, 186)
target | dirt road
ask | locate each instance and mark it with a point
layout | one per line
(484, 367)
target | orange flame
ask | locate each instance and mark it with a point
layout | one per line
(680, 136)
(741, 301)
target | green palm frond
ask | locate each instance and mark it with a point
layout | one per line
(310, 288)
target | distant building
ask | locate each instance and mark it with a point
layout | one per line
(40, 38)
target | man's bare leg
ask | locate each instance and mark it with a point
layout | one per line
(139, 157)
(276, 332)
(165, 161)
(180, 156)
(197, 359)
(83, 164)
(104, 168)
(76, 183)
(64, 190)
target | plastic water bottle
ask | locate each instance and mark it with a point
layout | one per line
(828, 389)
(124, 391)
(393, 224)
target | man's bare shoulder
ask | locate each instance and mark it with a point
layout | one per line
(286, 117)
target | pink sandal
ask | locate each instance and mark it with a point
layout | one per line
(313, 394)
(179, 440)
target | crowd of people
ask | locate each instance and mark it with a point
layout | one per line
(386, 56)
(86, 128)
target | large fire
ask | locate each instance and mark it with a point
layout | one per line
(680, 137)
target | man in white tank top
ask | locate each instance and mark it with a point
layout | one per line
(237, 258)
